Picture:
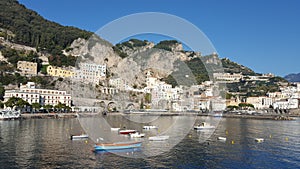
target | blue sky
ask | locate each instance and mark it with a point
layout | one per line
(261, 34)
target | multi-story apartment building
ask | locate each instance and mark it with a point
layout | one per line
(228, 77)
(286, 104)
(261, 102)
(31, 94)
(27, 68)
(59, 72)
(90, 73)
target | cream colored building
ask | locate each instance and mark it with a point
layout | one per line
(228, 77)
(31, 94)
(261, 102)
(59, 72)
(27, 68)
(90, 73)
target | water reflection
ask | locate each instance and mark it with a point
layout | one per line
(45, 143)
(176, 127)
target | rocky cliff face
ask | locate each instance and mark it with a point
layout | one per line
(141, 57)
(94, 50)
(133, 50)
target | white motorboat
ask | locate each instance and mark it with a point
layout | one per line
(149, 127)
(222, 138)
(9, 114)
(158, 138)
(204, 126)
(137, 135)
(78, 137)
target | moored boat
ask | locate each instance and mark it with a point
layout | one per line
(127, 131)
(114, 129)
(116, 146)
(204, 126)
(158, 138)
(137, 135)
(81, 136)
(9, 114)
(222, 138)
(259, 140)
(149, 127)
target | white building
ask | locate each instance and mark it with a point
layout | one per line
(31, 94)
(286, 104)
(160, 92)
(298, 87)
(90, 73)
(228, 77)
(261, 102)
(119, 84)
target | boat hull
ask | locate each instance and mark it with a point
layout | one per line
(137, 135)
(222, 138)
(204, 128)
(115, 129)
(149, 127)
(127, 131)
(116, 146)
(77, 137)
(158, 138)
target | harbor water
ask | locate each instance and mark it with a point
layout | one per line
(45, 143)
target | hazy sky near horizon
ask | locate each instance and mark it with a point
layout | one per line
(262, 35)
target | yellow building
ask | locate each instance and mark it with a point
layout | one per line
(27, 68)
(59, 72)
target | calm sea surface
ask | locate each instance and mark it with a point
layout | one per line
(45, 143)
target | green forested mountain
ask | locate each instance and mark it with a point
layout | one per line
(30, 29)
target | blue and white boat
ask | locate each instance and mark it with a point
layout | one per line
(116, 146)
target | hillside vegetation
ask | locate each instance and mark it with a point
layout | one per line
(30, 29)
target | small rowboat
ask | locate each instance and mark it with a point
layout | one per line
(259, 140)
(149, 127)
(158, 138)
(127, 131)
(222, 138)
(137, 135)
(77, 137)
(116, 146)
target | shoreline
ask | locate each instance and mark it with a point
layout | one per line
(48, 115)
(75, 115)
